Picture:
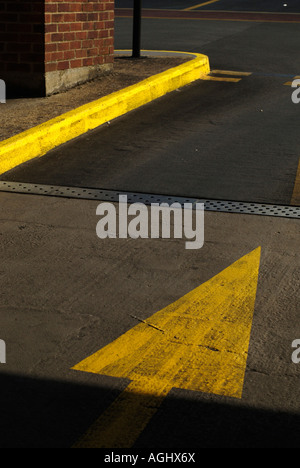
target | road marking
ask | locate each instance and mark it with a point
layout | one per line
(289, 83)
(206, 15)
(295, 200)
(230, 72)
(212, 77)
(218, 78)
(39, 140)
(200, 5)
(199, 343)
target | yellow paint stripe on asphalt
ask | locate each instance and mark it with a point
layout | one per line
(37, 141)
(219, 78)
(200, 5)
(295, 200)
(124, 420)
(229, 72)
(199, 343)
(128, 14)
(289, 83)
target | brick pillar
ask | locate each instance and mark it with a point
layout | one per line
(50, 45)
(79, 41)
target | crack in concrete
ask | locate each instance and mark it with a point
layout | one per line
(177, 340)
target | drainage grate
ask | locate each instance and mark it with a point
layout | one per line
(113, 196)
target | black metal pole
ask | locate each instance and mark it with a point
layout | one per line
(136, 39)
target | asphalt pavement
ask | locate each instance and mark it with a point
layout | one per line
(219, 139)
(216, 140)
(291, 6)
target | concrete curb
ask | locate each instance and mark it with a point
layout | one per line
(38, 140)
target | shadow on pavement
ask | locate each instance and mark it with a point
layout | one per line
(37, 413)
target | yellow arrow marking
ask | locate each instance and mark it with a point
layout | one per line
(200, 343)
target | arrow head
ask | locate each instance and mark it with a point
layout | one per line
(200, 342)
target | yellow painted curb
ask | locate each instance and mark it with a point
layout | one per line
(38, 140)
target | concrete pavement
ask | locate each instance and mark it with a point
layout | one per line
(65, 294)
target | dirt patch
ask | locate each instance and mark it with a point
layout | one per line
(18, 115)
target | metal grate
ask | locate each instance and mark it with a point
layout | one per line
(113, 196)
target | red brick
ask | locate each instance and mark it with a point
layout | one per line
(87, 62)
(63, 27)
(63, 46)
(56, 56)
(50, 47)
(50, 28)
(63, 65)
(56, 37)
(76, 63)
(49, 67)
(69, 54)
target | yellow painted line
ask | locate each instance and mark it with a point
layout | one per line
(210, 77)
(289, 83)
(220, 19)
(218, 78)
(38, 140)
(129, 15)
(200, 5)
(295, 200)
(199, 343)
(229, 72)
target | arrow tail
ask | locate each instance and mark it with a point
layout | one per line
(124, 420)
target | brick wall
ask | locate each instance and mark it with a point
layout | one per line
(79, 40)
(50, 45)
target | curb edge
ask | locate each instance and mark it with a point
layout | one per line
(39, 140)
